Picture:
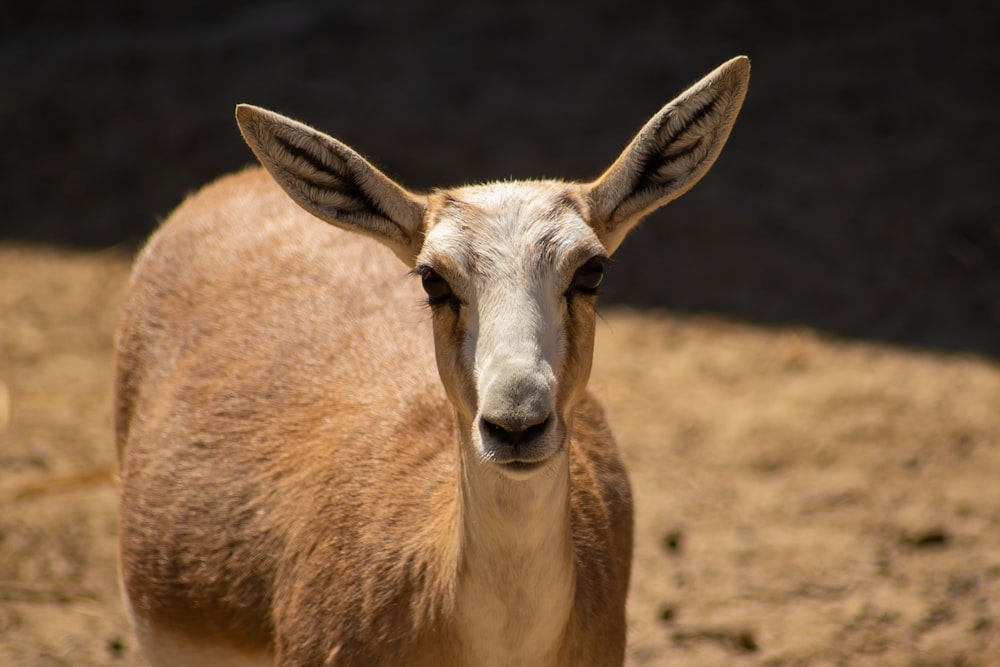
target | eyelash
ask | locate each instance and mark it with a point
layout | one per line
(588, 277)
(437, 288)
(585, 282)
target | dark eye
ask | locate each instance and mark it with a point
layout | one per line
(589, 276)
(437, 288)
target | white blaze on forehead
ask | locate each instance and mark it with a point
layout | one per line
(501, 229)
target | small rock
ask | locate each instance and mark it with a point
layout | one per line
(929, 538)
(674, 541)
(668, 613)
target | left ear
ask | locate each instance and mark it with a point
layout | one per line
(670, 154)
(334, 183)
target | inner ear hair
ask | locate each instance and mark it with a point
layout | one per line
(332, 181)
(671, 153)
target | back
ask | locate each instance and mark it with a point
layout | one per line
(253, 336)
(258, 294)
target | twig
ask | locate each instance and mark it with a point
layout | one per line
(82, 479)
(16, 591)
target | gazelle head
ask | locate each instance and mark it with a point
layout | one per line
(511, 270)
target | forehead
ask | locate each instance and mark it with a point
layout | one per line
(487, 228)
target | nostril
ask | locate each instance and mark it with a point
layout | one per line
(496, 431)
(515, 436)
(535, 430)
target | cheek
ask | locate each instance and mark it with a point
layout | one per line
(451, 340)
(577, 353)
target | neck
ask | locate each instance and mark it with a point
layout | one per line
(516, 574)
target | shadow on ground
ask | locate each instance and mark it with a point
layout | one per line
(857, 195)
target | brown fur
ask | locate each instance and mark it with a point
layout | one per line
(250, 400)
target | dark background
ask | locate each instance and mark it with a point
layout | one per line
(857, 195)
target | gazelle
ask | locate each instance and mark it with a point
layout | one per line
(301, 484)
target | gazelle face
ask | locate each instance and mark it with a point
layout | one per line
(511, 273)
(510, 269)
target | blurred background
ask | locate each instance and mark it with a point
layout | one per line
(858, 194)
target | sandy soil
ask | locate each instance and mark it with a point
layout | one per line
(816, 493)
(802, 500)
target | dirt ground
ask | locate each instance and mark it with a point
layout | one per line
(801, 500)
(800, 357)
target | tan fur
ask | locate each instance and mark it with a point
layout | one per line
(296, 482)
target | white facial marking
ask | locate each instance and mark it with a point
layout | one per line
(509, 252)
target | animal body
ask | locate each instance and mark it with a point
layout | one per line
(326, 461)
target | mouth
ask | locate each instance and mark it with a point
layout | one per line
(521, 453)
(523, 467)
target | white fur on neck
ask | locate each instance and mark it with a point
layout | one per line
(516, 579)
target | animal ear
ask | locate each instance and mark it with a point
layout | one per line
(670, 154)
(334, 183)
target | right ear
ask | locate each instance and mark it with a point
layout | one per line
(671, 152)
(334, 183)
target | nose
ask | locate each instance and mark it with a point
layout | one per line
(513, 435)
(516, 406)
(516, 412)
